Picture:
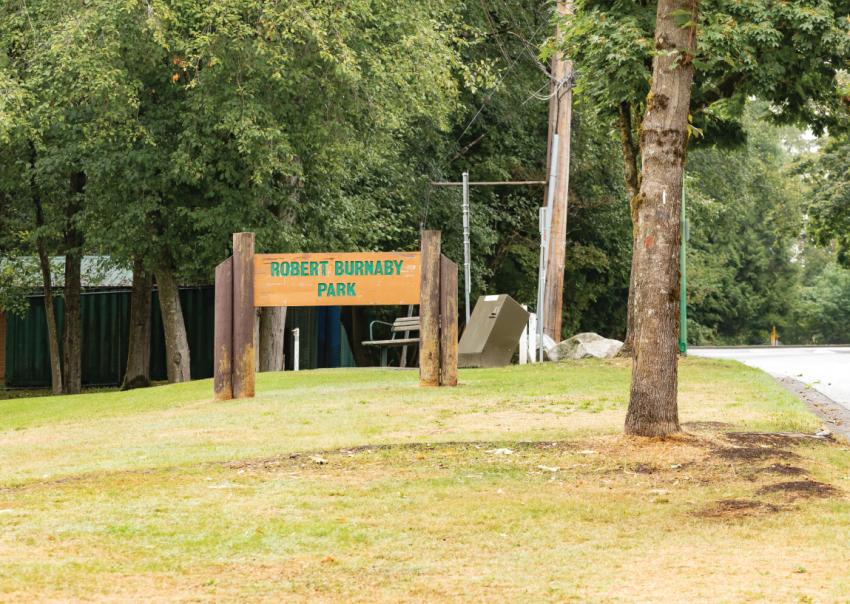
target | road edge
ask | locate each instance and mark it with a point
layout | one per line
(836, 417)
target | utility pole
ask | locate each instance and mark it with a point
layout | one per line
(545, 219)
(467, 254)
(560, 117)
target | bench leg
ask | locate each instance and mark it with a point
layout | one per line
(384, 356)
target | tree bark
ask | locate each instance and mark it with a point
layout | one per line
(653, 407)
(49, 312)
(50, 317)
(272, 333)
(72, 335)
(139, 346)
(176, 343)
(631, 176)
(72, 332)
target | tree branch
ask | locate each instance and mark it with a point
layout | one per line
(630, 172)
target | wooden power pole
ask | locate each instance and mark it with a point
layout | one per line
(560, 118)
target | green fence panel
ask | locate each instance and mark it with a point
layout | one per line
(27, 353)
(106, 323)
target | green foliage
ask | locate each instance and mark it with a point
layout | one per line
(827, 173)
(18, 276)
(319, 126)
(746, 210)
(599, 235)
(786, 53)
(505, 141)
(750, 265)
(823, 310)
(191, 120)
(745, 213)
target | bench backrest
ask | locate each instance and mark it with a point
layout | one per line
(406, 324)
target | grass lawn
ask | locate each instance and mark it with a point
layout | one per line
(357, 485)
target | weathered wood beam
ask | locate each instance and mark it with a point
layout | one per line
(429, 310)
(223, 334)
(244, 361)
(448, 322)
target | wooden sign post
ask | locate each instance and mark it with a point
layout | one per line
(437, 315)
(223, 335)
(244, 361)
(448, 322)
(247, 281)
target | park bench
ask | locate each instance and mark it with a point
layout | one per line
(402, 325)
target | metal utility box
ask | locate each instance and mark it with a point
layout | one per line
(491, 337)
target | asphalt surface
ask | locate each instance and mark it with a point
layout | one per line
(826, 369)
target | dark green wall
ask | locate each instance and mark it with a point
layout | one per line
(106, 321)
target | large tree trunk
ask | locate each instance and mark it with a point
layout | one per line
(139, 345)
(50, 317)
(653, 409)
(72, 332)
(47, 280)
(271, 338)
(176, 343)
(631, 177)
(72, 336)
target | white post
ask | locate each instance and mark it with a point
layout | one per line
(467, 288)
(296, 348)
(545, 230)
(541, 281)
(523, 342)
(532, 337)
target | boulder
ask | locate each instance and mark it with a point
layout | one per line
(584, 345)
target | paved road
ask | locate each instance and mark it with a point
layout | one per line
(826, 369)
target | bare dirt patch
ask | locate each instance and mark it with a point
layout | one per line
(475, 446)
(775, 439)
(783, 470)
(738, 508)
(643, 468)
(800, 489)
(753, 453)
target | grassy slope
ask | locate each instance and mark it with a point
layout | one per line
(164, 493)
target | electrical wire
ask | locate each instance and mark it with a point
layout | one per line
(511, 64)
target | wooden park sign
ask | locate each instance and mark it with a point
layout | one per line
(246, 281)
(359, 279)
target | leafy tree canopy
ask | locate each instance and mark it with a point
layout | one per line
(827, 173)
(788, 54)
(192, 119)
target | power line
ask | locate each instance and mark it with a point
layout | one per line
(488, 98)
(489, 183)
(495, 89)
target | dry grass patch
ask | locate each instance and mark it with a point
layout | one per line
(516, 487)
